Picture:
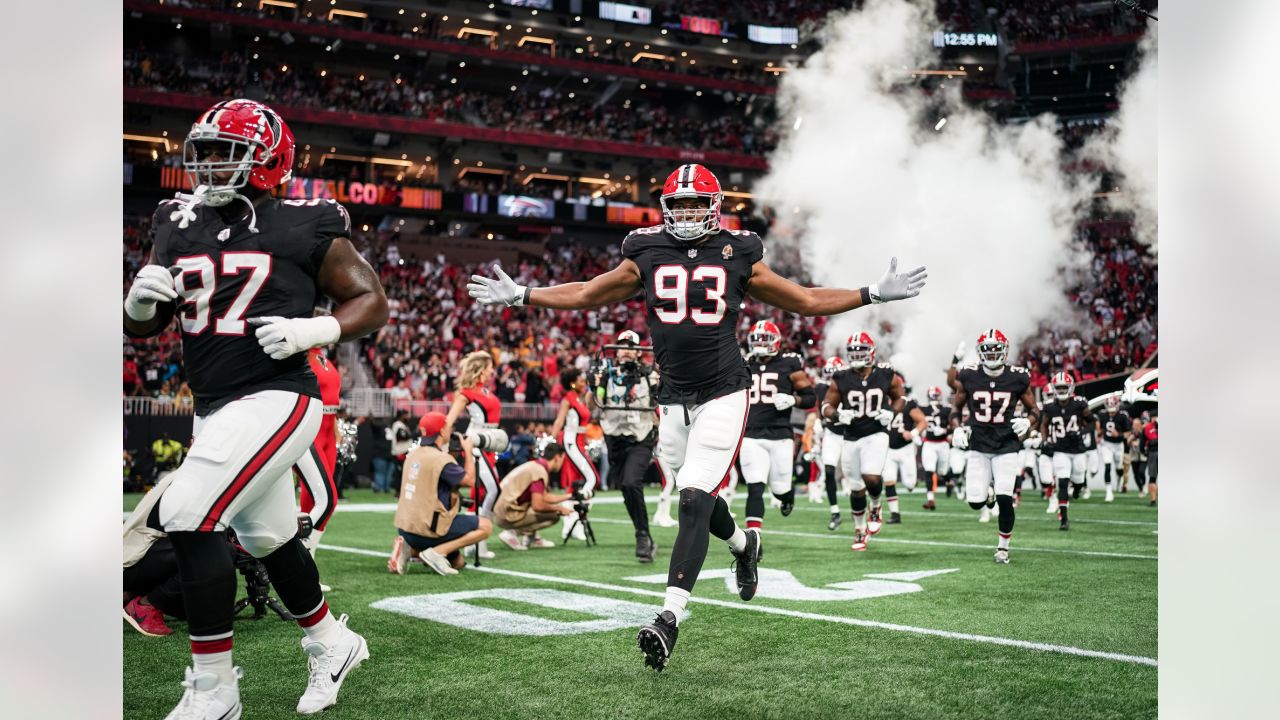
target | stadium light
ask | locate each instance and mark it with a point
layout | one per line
(277, 3)
(149, 139)
(348, 13)
(475, 31)
(652, 56)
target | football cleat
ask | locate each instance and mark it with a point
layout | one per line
(646, 548)
(1053, 504)
(1111, 496)
(146, 618)
(745, 565)
(873, 519)
(859, 541)
(1064, 525)
(787, 503)
(929, 505)
(329, 666)
(206, 698)
(657, 639)
(895, 519)
(835, 521)
(1086, 493)
(398, 563)
(1002, 557)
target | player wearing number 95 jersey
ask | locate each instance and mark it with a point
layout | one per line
(694, 278)
(242, 271)
(990, 390)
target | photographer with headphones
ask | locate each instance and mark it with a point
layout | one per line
(623, 388)
(427, 518)
(525, 506)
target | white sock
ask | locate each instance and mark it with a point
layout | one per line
(675, 601)
(219, 663)
(326, 630)
(737, 541)
(1003, 542)
(893, 505)
(929, 495)
(860, 520)
(835, 509)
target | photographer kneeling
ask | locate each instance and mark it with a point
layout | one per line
(427, 513)
(524, 506)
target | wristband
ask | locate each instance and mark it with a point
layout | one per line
(865, 293)
(525, 299)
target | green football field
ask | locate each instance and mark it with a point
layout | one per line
(1066, 630)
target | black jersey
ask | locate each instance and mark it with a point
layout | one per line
(230, 274)
(693, 294)
(991, 401)
(866, 397)
(769, 379)
(901, 423)
(939, 417)
(1114, 425)
(1068, 425)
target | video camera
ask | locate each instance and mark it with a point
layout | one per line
(605, 369)
(582, 507)
(256, 581)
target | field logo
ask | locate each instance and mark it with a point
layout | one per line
(451, 609)
(782, 585)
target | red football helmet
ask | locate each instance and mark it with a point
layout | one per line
(764, 339)
(691, 181)
(1113, 404)
(935, 394)
(993, 349)
(1064, 386)
(860, 350)
(244, 138)
(833, 365)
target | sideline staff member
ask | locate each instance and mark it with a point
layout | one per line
(524, 506)
(629, 434)
(427, 513)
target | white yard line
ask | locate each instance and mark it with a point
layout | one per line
(987, 639)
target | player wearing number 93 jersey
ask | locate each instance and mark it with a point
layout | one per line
(990, 391)
(694, 277)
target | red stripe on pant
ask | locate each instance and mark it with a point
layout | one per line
(255, 464)
(724, 482)
(208, 647)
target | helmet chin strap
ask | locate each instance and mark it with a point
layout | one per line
(202, 195)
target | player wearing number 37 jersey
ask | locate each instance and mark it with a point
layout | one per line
(990, 391)
(694, 278)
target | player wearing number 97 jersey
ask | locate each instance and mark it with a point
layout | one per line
(243, 272)
(990, 391)
(694, 278)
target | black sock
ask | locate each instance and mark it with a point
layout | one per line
(1006, 513)
(633, 498)
(208, 581)
(1075, 491)
(1063, 493)
(830, 480)
(295, 577)
(786, 497)
(1017, 484)
(697, 508)
(890, 492)
(1106, 474)
(755, 502)
(722, 525)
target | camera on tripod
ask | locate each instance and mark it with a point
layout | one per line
(256, 582)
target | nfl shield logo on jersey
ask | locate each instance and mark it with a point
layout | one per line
(693, 252)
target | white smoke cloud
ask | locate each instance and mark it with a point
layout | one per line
(866, 177)
(1131, 147)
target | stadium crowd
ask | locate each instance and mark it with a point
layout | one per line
(1041, 20)
(525, 109)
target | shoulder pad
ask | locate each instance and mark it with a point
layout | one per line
(651, 230)
(1019, 369)
(969, 366)
(794, 356)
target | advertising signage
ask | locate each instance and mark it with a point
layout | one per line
(621, 12)
(773, 35)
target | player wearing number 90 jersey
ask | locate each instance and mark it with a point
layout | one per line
(991, 394)
(694, 277)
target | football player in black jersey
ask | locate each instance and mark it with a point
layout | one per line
(694, 278)
(990, 389)
(935, 451)
(778, 383)
(1116, 429)
(1064, 422)
(864, 398)
(905, 432)
(832, 442)
(242, 272)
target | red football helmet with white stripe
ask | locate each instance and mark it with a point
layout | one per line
(860, 350)
(764, 339)
(833, 365)
(244, 138)
(1064, 386)
(993, 349)
(688, 224)
(935, 394)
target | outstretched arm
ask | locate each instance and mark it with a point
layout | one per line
(618, 284)
(769, 287)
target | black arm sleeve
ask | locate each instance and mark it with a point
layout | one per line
(806, 397)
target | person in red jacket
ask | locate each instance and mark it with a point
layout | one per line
(1151, 439)
(319, 490)
(570, 430)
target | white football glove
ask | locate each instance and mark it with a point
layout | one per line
(1032, 442)
(504, 290)
(959, 353)
(884, 416)
(960, 438)
(845, 416)
(915, 437)
(281, 337)
(893, 286)
(1021, 426)
(152, 284)
(784, 401)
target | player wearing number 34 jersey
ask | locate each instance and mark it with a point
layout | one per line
(694, 278)
(990, 391)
